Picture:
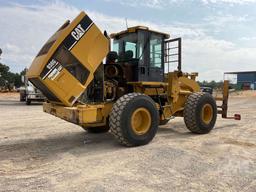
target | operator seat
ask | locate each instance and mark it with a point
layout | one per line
(130, 66)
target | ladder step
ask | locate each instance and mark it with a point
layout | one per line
(173, 54)
(175, 61)
(172, 48)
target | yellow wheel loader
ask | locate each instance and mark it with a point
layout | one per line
(127, 88)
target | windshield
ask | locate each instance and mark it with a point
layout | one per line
(128, 47)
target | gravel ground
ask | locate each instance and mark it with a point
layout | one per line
(39, 152)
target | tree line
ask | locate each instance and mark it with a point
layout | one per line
(8, 79)
(212, 84)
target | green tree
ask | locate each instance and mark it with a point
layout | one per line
(9, 79)
(212, 84)
(4, 73)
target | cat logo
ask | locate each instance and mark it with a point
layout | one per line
(78, 32)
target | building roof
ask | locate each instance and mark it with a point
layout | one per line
(240, 72)
(134, 29)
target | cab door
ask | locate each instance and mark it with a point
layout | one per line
(156, 58)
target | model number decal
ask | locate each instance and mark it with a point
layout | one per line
(52, 69)
(51, 64)
(55, 72)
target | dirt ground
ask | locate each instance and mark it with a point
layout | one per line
(39, 152)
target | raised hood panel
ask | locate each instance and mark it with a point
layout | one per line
(65, 65)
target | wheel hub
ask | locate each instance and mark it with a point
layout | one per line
(141, 121)
(207, 113)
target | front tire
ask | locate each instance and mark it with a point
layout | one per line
(134, 120)
(200, 113)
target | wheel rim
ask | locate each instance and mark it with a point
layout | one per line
(141, 121)
(207, 113)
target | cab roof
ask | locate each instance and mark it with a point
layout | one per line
(135, 29)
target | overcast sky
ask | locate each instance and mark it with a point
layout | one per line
(218, 35)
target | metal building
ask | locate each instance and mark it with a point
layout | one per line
(245, 80)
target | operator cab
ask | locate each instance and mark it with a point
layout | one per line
(140, 53)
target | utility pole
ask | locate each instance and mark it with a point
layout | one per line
(1, 52)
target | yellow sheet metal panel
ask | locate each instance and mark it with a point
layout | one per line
(67, 113)
(65, 65)
(91, 49)
(36, 67)
(93, 115)
(88, 115)
(65, 86)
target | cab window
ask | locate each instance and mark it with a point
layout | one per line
(115, 47)
(130, 46)
(155, 51)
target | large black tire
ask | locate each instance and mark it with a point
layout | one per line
(121, 119)
(200, 113)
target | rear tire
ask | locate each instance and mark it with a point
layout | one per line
(200, 113)
(134, 120)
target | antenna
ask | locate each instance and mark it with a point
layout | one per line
(126, 21)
